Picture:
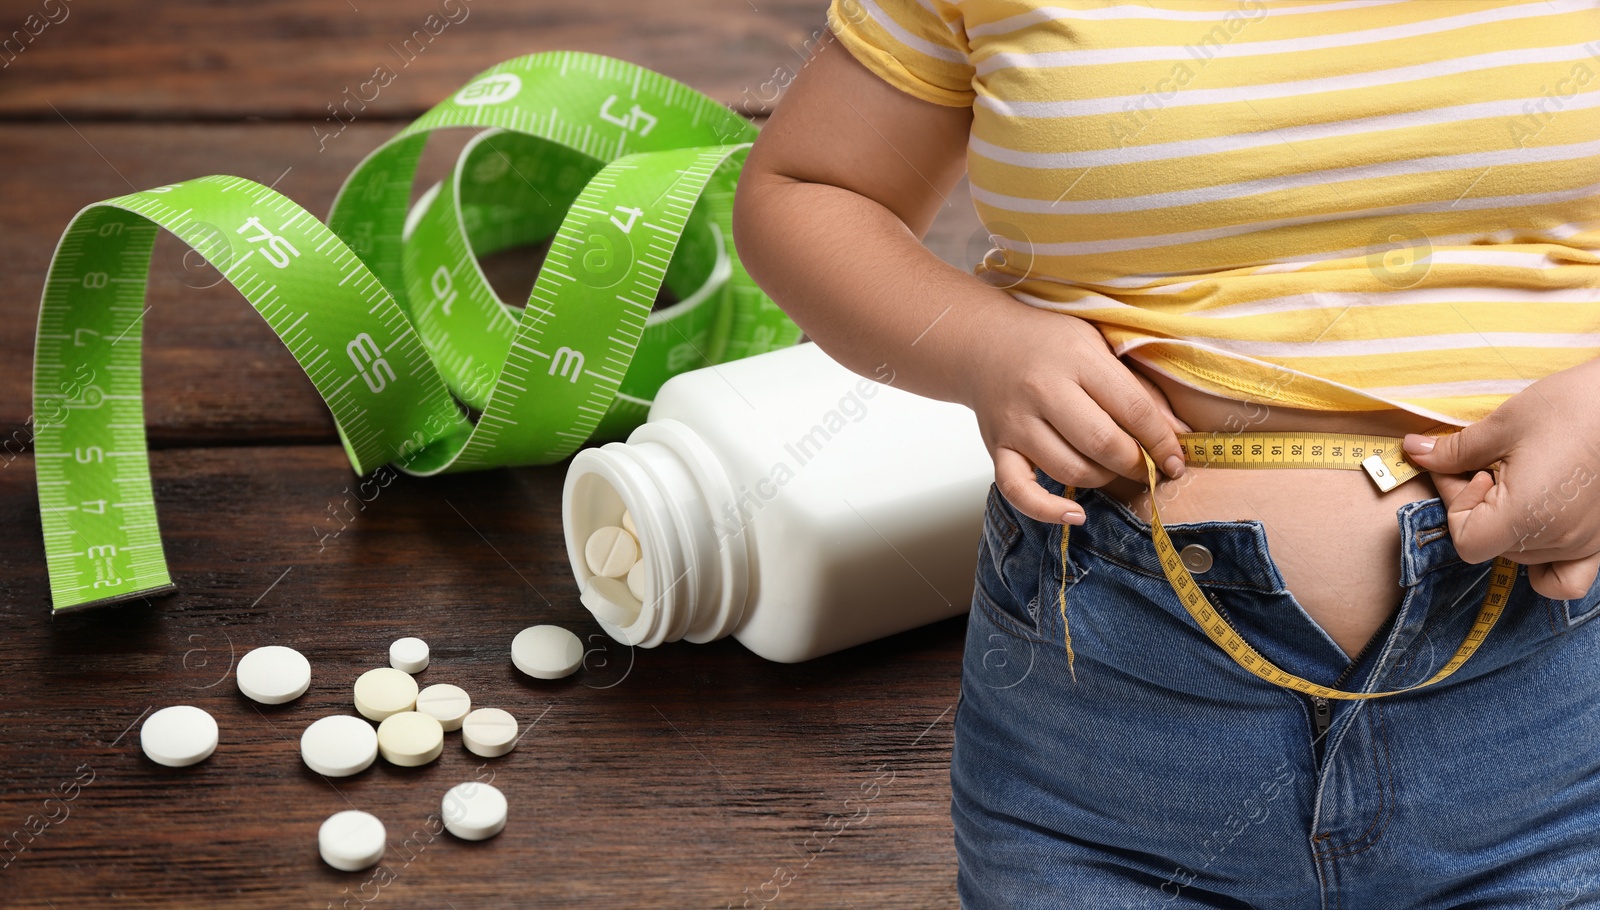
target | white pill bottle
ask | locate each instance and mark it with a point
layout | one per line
(786, 501)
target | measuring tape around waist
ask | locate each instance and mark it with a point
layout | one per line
(1384, 461)
(388, 311)
(1380, 456)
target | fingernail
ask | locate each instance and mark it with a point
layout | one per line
(1417, 444)
(1072, 517)
(1173, 466)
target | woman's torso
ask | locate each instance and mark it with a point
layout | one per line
(1299, 202)
(1340, 559)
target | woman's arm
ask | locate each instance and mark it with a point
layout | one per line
(841, 185)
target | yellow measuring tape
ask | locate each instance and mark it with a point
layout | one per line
(1383, 460)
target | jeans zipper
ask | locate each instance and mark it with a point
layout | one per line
(1321, 719)
(1322, 708)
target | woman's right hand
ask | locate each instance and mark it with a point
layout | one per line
(833, 202)
(1049, 392)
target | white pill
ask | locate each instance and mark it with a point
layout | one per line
(547, 652)
(628, 525)
(638, 579)
(274, 674)
(446, 704)
(409, 654)
(410, 738)
(611, 551)
(339, 745)
(610, 601)
(385, 691)
(178, 736)
(489, 732)
(352, 840)
(474, 811)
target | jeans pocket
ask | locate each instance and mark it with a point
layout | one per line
(1002, 566)
(1017, 571)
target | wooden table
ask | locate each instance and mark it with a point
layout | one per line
(684, 776)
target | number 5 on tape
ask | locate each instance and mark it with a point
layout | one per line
(653, 164)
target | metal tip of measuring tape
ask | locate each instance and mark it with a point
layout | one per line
(161, 591)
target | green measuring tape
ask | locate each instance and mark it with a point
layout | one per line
(630, 174)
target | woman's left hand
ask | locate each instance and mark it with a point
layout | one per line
(1540, 506)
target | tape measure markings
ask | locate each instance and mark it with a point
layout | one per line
(649, 132)
(672, 146)
(112, 428)
(1380, 456)
(683, 183)
(271, 223)
(1502, 578)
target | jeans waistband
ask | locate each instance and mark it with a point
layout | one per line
(1239, 546)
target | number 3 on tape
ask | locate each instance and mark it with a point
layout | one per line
(629, 174)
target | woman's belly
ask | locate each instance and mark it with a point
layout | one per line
(1332, 534)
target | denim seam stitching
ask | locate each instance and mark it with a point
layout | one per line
(1005, 621)
(1047, 555)
(1328, 876)
(1573, 621)
(1443, 564)
(1429, 535)
(1381, 666)
(1385, 811)
(1048, 563)
(1127, 517)
(1007, 535)
(998, 512)
(1338, 892)
(1232, 586)
(1461, 606)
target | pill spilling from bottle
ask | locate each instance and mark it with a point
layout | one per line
(393, 719)
(273, 675)
(383, 691)
(409, 655)
(410, 738)
(474, 811)
(339, 745)
(178, 736)
(617, 591)
(445, 703)
(547, 652)
(489, 732)
(351, 840)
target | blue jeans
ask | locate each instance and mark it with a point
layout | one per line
(1156, 773)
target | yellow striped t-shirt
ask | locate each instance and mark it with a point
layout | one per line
(1332, 204)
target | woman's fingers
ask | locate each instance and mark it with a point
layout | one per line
(1564, 580)
(1090, 430)
(1068, 407)
(1135, 420)
(1472, 511)
(1159, 396)
(1015, 467)
(1013, 474)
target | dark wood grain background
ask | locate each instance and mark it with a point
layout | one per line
(684, 776)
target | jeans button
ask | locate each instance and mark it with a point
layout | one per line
(1196, 558)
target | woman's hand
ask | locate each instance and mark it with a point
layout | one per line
(1049, 392)
(1541, 506)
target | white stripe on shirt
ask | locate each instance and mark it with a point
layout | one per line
(1006, 60)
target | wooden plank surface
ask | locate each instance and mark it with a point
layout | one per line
(187, 59)
(672, 777)
(214, 373)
